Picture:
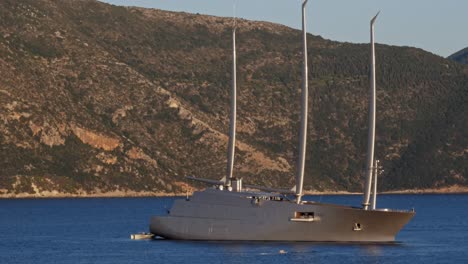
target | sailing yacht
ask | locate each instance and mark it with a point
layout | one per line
(229, 212)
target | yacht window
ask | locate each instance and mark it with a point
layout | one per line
(304, 215)
(266, 198)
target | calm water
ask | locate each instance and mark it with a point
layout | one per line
(98, 231)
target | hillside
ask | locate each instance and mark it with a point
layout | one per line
(96, 98)
(460, 56)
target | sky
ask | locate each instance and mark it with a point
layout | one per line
(438, 26)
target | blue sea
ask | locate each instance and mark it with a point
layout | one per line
(97, 230)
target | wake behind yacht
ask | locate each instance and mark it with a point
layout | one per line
(228, 212)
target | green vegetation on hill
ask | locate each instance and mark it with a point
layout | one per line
(96, 98)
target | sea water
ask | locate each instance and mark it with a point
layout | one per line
(97, 230)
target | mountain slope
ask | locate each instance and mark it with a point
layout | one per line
(97, 98)
(460, 56)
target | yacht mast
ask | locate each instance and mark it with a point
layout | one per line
(232, 120)
(371, 134)
(304, 111)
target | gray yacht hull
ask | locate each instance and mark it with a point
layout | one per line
(221, 215)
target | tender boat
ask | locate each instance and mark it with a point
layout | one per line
(142, 235)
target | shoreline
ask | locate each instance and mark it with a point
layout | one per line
(132, 194)
(113, 194)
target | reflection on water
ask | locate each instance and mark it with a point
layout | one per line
(372, 250)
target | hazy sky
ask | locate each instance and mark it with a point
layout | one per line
(438, 26)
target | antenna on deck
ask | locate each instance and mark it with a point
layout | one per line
(377, 171)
